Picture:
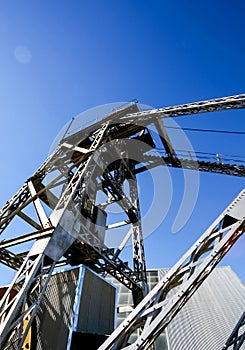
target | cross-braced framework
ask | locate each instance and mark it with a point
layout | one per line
(237, 337)
(159, 307)
(66, 204)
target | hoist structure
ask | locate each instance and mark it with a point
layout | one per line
(64, 208)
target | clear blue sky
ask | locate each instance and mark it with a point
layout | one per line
(59, 58)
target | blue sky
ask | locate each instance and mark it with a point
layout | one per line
(60, 58)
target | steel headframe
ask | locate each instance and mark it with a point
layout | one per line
(66, 185)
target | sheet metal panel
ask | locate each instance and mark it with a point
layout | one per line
(55, 317)
(97, 305)
(76, 300)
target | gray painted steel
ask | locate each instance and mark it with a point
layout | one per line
(78, 172)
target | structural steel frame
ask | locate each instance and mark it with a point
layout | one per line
(82, 165)
(152, 315)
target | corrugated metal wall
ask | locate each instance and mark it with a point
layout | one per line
(76, 300)
(208, 318)
(97, 306)
(56, 313)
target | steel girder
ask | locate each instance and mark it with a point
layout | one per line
(157, 309)
(152, 161)
(148, 116)
(213, 105)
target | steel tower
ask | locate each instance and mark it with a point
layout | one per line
(66, 202)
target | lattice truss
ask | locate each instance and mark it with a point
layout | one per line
(62, 210)
(158, 308)
(237, 337)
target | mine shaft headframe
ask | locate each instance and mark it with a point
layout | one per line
(73, 160)
(66, 232)
(66, 159)
(152, 315)
(73, 150)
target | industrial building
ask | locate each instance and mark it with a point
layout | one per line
(82, 307)
(78, 307)
(207, 319)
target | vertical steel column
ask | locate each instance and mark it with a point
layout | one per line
(139, 261)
